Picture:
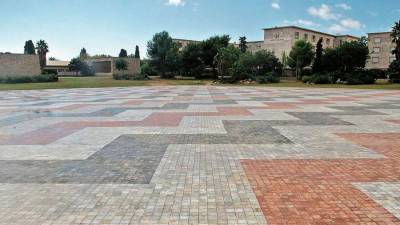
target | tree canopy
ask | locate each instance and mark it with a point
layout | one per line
(137, 52)
(301, 56)
(192, 63)
(83, 54)
(121, 64)
(123, 53)
(211, 47)
(42, 50)
(243, 44)
(317, 65)
(163, 53)
(29, 48)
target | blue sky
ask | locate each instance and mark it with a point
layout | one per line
(106, 26)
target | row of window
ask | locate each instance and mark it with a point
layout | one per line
(313, 38)
(377, 60)
(378, 50)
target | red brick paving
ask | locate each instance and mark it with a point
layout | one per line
(321, 191)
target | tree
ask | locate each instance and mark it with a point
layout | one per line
(301, 56)
(317, 65)
(77, 64)
(353, 55)
(394, 68)
(137, 52)
(83, 54)
(121, 64)
(211, 47)
(123, 53)
(29, 48)
(163, 54)
(225, 59)
(42, 50)
(330, 60)
(52, 59)
(192, 63)
(243, 44)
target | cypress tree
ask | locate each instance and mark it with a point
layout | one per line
(137, 53)
(29, 48)
(123, 53)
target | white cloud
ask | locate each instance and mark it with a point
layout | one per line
(346, 25)
(351, 24)
(302, 22)
(176, 2)
(275, 5)
(324, 12)
(343, 6)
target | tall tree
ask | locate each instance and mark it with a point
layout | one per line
(163, 54)
(211, 47)
(42, 49)
(29, 48)
(301, 56)
(353, 55)
(243, 44)
(137, 52)
(123, 53)
(192, 64)
(396, 39)
(317, 65)
(83, 54)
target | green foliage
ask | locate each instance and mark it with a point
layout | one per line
(192, 62)
(317, 65)
(83, 54)
(137, 52)
(123, 53)
(394, 71)
(83, 67)
(42, 78)
(29, 48)
(243, 44)
(353, 56)
(301, 56)
(147, 69)
(396, 39)
(330, 60)
(42, 50)
(163, 53)
(130, 77)
(306, 79)
(268, 78)
(321, 78)
(225, 60)
(121, 64)
(211, 47)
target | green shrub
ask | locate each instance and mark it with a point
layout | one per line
(130, 77)
(361, 77)
(321, 78)
(270, 77)
(306, 79)
(42, 78)
(394, 71)
(378, 73)
(147, 69)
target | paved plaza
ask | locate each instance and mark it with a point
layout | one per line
(199, 155)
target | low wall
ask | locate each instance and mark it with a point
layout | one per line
(19, 65)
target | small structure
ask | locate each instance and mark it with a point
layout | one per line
(61, 67)
(106, 66)
(12, 65)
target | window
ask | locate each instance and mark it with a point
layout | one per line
(377, 40)
(314, 38)
(297, 35)
(328, 41)
(306, 37)
(377, 50)
(375, 59)
(276, 35)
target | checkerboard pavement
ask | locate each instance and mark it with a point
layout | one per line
(200, 155)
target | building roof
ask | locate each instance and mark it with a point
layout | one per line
(385, 32)
(305, 29)
(57, 63)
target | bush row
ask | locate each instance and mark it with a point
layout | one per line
(357, 77)
(130, 77)
(42, 78)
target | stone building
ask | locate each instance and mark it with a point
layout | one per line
(19, 65)
(106, 66)
(380, 47)
(280, 40)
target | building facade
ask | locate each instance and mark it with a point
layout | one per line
(61, 67)
(280, 40)
(380, 49)
(12, 65)
(106, 66)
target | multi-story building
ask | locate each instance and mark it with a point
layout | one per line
(280, 40)
(380, 48)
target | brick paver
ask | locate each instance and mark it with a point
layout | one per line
(200, 155)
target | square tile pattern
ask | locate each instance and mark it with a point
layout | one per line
(199, 155)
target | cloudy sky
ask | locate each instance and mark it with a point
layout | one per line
(106, 26)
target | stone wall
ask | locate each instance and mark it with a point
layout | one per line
(19, 65)
(133, 66)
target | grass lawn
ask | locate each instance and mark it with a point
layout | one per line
(98, 82)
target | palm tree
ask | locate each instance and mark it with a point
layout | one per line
(42, 49)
